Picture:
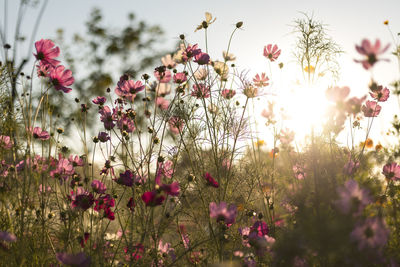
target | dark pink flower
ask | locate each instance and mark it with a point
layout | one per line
(210, 180)
(201, 90)
(81, 199)
(5, 142)
(61, 78)
(137, 254)
(43, 69)
(176, 125)
(38, 133)
(128, 88)
(100, 100)
(391, 171)
(260, 227)
(371, 234)
(184, 236)
(125, 123)
(337, 94)
(131, 204)
(371, 109)
(171, 189)
(352, 198)
(152, 198)
(63, 170)
(105, 203)
(261, 81)
(125, 178)
(84, 239)
(221, 212)
(98, 187)
(271, 52)
(76, 161)
(106, 116)
(228, 93)
(202, 58)
(190, 52)
(103, 137)
(381, 94)
(180, 77)
(162, 103)
(371, 52)
(79, 259)
(46, 52)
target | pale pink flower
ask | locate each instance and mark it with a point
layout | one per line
(391, 171)
(261, 81)
(222, 212)
(162, 103)
(381, 94)
(201, 90)
(371, 52)
(5, 142)
(168, 62)
(162, 75)
(299, 172)
(337, 94)
(271, 52)
(61, 78)
(350, 167)
(180, 77)
(371, 109)
(286, 136)
(228, 93)
(163, 89)
(371, 234)
(176, 124)
(352, 198)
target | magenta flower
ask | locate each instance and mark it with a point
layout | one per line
(371, 109)
(46, 52)
(352, 198)
(391, 171)
(5, 142)
(371, 234)
(202, 58)
(162, 75)
(337, 94)
(61, 78)
(228, 93)
(128, 88)
(171, 189)
(79, 259)
(38, 133)
(76, 161)
(381, 94)
(100, 100)
(371, 53)
(43, 69)
(210, 180)
(84, 239)
(103, 137)
(125, 178)
(63, 170)
(201, 90)
(176, 125)
(7, 237)
(98, 187)
(260, 228)
(105, 203)
(106, 116)
(137, 254)
(131, 204)
(81, 199)
(272, 53)
(152, 198)
(261, 81)
(222, 212)
(162, 103)
(180, 77)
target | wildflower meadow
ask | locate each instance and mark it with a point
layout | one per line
(186, 159)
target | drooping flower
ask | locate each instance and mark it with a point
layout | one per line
(223, 212)
(371, 234)
(100, 100)
(46, 52)
(201, 90)
(261, 81)
(125, 178)
(210, 180)
(391, 171)
(168, 62)
(38, 133)
(371, 52)
(79, 259)
(98, 187)
(228, 93)
(381, 94)
(352, 198)
(271, 52)
(371, 109)
(61, 78)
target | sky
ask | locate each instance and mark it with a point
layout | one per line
(264, 22)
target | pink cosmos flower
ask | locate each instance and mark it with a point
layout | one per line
(350, 167)
(202, 58)
(63, 170)
(43, 69)
(286, 136)
(46, 52)
(371, 234)
(201, 91)
(381, 94)
(261, 81)
(268, 113)
(337, 94)
(228, 93)
(371, 109)
(352, 198)
(371, 53)
(125, 178)
(162, 103)
(137, 254)
(180, 77)
(125, 123)
(5, 142)
(190, 52)
(184, 236)
(176, 125)
(171, 189)
(79, 259)
(166, 168)
(106, 116)
(100, 100)
(210, 180)
(162, 75)
(391, 171)
(98, 187)
(103, 137)
(299, 172)
(7, 237)
(165, 249)
(128, 88)
(272, 53)
(221, 212)
(61, 78)
(353, 105)
(152, 198)
(76, 161)
(81, 199)
(105, 203)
